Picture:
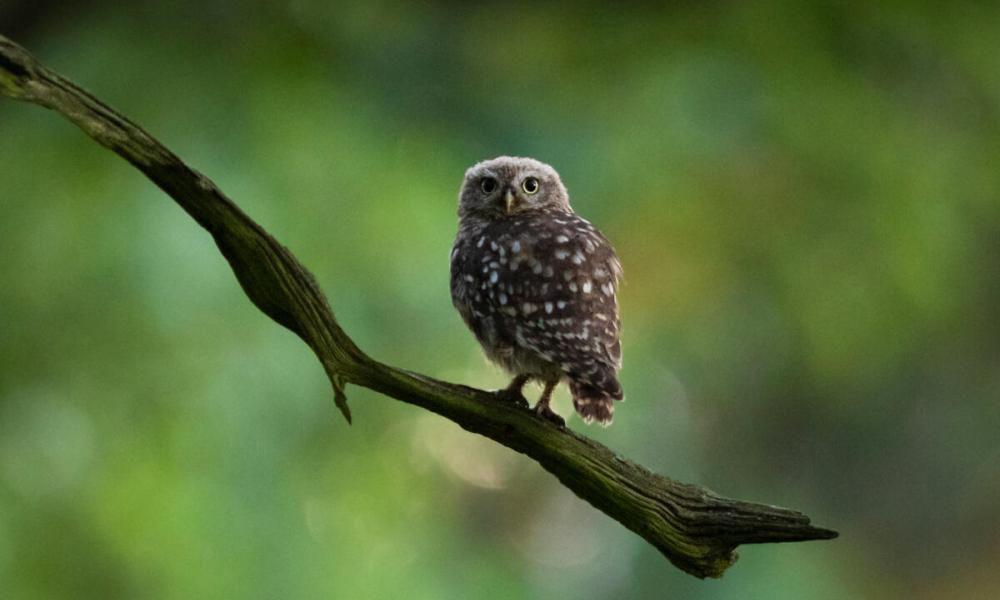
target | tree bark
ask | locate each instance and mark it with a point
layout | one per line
(697, 530)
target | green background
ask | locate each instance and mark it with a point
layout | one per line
(805, 198)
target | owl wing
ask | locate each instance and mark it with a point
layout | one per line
(559, 294)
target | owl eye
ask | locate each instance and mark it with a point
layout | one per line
(488, 185)
(530, 185)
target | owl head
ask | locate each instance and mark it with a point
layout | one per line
(510, 185)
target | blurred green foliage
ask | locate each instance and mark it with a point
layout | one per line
(804, 195)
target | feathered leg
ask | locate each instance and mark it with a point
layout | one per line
(542, 407)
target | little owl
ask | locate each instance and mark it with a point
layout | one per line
(536, 284)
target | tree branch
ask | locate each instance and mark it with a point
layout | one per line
(694, 528)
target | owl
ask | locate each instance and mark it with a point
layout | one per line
(537, 285)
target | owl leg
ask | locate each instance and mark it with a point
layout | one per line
(542, 407)
(512, 393)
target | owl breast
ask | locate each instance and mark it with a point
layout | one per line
(539, 293)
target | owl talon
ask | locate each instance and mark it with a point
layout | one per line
(543, 411)
(512, 393)
(514, 397)
(542, 406)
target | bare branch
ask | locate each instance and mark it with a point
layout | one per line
(697, 530)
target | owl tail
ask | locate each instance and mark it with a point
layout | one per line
(595, 402)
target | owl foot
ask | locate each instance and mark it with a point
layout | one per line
(512, 393)
(542, 410)
(514, 397)
(542, 407)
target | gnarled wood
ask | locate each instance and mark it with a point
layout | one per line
(694, 528)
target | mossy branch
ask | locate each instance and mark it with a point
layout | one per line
(697, 530)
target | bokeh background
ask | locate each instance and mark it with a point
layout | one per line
(805, 197)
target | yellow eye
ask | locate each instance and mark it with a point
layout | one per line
(530, 185)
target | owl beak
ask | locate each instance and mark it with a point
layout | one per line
(508, 200)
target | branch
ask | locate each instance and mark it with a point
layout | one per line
(697, 530)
